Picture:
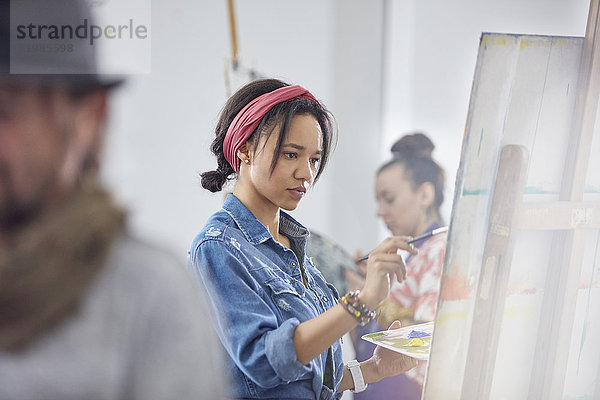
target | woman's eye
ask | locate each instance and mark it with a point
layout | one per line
(315, 161)
(289, 155)
(389, 200)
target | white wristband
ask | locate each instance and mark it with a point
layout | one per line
(357, 376)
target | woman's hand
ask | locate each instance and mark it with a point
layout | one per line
(383, 265)
(385, 362)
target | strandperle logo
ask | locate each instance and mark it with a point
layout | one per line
(85, 30)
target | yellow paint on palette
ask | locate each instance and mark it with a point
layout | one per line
(416, 342)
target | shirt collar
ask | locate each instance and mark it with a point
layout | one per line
(254, 231)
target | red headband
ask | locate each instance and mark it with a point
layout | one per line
(249, 117)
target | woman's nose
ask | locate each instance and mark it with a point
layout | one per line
(305, 172)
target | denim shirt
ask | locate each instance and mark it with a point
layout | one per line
(258, 296)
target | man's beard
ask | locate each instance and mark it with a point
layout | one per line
(15, 212)
(13, 215)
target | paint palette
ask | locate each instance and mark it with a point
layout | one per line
(413, 341)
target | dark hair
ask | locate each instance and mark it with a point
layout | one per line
(281, 113)
(413, 152)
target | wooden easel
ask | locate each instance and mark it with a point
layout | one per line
(566, 218)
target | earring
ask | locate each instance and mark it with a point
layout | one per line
(246, 161)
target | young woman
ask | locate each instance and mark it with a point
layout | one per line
(279, 321)
(409, 190)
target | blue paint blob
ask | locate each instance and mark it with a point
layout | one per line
(417, 334)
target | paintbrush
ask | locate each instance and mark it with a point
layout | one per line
(415, 239)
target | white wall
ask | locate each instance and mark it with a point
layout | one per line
(358, 56)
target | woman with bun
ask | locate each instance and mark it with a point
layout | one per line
(278, 319)
(409, 190)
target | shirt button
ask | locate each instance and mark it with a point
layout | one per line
(293, 264)
(325, 299)
(316, 299)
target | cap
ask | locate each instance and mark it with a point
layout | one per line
(50, 42)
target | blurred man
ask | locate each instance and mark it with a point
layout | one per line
(86, 311)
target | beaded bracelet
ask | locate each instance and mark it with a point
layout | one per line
(354, 306)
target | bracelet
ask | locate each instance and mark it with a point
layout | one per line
(357, 376)
(356, 308)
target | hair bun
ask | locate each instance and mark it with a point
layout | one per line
(213, 180)
(414, 144)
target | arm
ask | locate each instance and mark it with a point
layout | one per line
(268, 353)
(313, 337)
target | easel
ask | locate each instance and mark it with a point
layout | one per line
(567, 218)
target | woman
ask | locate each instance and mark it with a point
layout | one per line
(409, 190)
(278, 319)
